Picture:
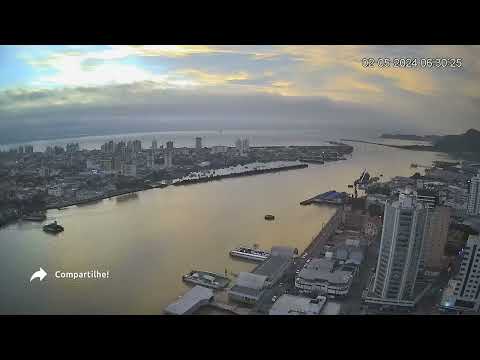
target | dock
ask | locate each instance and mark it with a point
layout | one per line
(326, 232)
(329, 197)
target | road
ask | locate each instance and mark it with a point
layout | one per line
(351, 304)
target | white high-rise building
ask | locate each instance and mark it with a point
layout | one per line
(168, 159)
(401, 250)
(463, 291)
(238, 145)
(242, 145)
(154, 146)
(245, 145)
(198, 143)
(474, 196)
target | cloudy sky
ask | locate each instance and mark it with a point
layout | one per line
(59, 91)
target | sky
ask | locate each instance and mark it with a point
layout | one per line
(60, 91)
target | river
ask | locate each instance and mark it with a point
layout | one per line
(148, 242)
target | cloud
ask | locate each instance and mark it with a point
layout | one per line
(208, 79)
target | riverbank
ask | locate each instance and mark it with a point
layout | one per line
(245, 173)
(156, 186)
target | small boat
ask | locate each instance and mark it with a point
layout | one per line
(205, 278)
(269, 217)
(53, 228)
(250, 253)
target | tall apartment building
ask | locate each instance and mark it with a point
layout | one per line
(198, 143)
(137, 146)
(401, 248)
(154, 146)
(436, 235)
(474, 196)
(463, 291)
(168, 159)
(242, 145)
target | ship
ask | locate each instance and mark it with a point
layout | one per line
(208, 279)
(53, 228)
(269, 217)
(250, 253)
(40, 216)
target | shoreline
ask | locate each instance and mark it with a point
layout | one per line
(233, 175)
(404, 147)
(59, 206)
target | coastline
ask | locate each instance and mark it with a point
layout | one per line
(161, 186)
(404, 147)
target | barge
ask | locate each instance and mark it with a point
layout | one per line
(250, 253)
(208, 279)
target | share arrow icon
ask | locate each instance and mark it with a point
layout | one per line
(39, 274)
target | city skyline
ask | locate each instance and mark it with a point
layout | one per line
(61, 91)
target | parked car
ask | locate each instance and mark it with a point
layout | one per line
(274, 298)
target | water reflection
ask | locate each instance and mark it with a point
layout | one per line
(149, 243)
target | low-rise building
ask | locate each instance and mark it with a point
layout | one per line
(324, 276)
(276, 265)
(248, 288)
(297, 305)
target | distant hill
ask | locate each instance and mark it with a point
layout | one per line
(464, 143)
(430, 138)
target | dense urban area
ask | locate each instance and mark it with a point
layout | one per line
(408, 245)
(405, 245)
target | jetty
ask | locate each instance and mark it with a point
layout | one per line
(329, 197)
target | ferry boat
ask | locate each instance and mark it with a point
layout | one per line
(250, 253)
(205, 278)
(53, 228)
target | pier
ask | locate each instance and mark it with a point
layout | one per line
(329, 197)
(326, 232)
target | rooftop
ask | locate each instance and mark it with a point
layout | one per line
(190, 300)
(250, 281)
(296, 305)
(324, 270)
(270, 267)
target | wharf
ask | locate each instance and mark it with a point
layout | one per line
(329, 197)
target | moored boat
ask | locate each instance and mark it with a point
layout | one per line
(205, 278)
(250, 253)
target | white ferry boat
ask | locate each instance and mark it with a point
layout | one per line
(250, 253)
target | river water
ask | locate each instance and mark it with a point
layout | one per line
(148, 242)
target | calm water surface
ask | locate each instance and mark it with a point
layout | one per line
(148, 242)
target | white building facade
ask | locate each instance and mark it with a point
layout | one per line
(474, 196)
(463, 292)
(401, 249)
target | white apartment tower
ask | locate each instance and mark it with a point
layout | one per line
(464, 289)
(474, 196)
(401, 249)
